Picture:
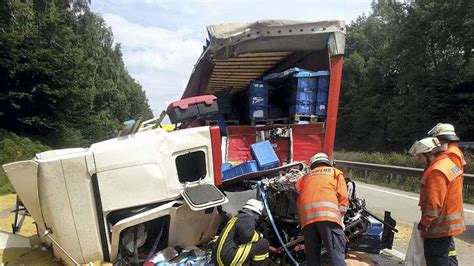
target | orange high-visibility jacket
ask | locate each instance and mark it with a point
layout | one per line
(456, 155)
(322, 196)
(441, 199)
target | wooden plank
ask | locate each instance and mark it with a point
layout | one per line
(251, 59)
(256, 63)
(235, 74)
(223, 83)
(224, 86)
(230, 78)
(265, 54)
(240, 71)
(247, 67)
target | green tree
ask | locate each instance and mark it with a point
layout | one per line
(408, 66)
(62, 79)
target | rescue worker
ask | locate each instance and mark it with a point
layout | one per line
(239, 242)
(441, 202)
(322, 202)
(446, 135)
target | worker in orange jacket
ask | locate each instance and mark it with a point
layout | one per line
(322, 202)
(447, 136)
(441, 202)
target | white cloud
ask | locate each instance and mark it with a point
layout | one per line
(160, 60)
(162, 39)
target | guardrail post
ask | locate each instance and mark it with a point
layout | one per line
(390, 177)
(366, 173)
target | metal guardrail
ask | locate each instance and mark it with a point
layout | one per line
(391, 169)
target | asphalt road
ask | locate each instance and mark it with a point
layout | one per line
(404, 208)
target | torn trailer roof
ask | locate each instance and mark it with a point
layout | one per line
(237, 53)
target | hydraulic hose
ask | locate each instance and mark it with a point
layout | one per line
(264, 198)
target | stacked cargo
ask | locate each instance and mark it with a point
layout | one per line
(322, 94)
(258, 100)
(306, 91)
(302, 94)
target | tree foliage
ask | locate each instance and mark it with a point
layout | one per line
(62, 79)
(407, 67)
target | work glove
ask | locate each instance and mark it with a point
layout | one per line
(422, 228)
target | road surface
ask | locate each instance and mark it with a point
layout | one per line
(405, 209)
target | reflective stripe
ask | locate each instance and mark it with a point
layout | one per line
(238, 255)
(342, 208)
(450, 217)
(452, 253)
(320, 204)
(255, 237)
(229, 226)
(244, 250)
(322, 213)
(242, 254)
(247, 249)
(443, 229)
(431, 213)
(260, 257)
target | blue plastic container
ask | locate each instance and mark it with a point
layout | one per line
(264, 154)
(243, 168)
(373, 238)
(322, 95)
(305, 83)
(258, 112)
(323, 80)
(258, 87)
(303, 108)
(258, 100)
(226, 166)
(302, 94)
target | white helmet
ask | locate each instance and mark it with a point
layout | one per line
(319, 158)
(254, 205)
(425, 145)
(445, 131)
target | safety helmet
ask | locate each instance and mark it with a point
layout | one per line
(319, 158)
(254, 205)
(444, 131)
(425, 145)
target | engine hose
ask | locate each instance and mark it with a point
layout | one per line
(269, 213)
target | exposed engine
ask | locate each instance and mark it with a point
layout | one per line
(364, 230)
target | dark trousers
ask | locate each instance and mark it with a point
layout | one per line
(329, 233)
(440, 251)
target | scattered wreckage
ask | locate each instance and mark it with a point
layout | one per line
(134, 199)
(100, 204)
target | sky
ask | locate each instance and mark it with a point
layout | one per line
(161, 40)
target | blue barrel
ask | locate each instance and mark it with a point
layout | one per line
(322, 96)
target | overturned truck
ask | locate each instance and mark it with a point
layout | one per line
(123, 199)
